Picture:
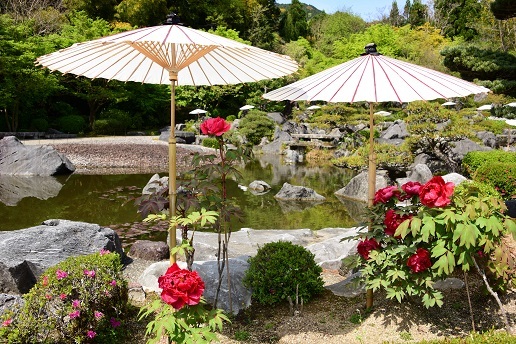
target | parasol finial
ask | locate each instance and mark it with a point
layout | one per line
(173, 19)
(370, 49)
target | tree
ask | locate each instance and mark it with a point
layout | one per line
(395, 19)
(457, 17)
(418, 13)
(142, 12)
(503, 9)
(326, 29)
(293, 22)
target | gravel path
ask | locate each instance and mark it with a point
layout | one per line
(121, 154)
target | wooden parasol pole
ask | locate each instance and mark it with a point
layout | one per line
(371, 178)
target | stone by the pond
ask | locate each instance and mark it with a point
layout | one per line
(326, 245)
(258, 187)
(298, 193)
(18, 159)
(149, 250)
(26, 253)
(357, 187)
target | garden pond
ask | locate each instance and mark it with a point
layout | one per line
(108, 200)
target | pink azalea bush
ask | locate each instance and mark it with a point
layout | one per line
(421, 233)
(76, 300)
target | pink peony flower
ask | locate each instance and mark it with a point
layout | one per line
(436, 192)
(215, 126)
(60, 274)
(75, 314)
(411, 189)
(180, 287)
(385, 194)
(366, 246)
(419, 261)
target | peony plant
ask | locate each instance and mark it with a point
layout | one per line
(422, 233)
(181, 314)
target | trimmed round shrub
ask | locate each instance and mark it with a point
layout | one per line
(473, 160)
(467, 187)
(39, 124)
(500, 175)
(72, 124)
(79, 300)
(278, 269)
(211, 142)
(256, 125)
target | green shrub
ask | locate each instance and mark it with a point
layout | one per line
(473, 160)
(39, 124)
(256, 125)
(480, 189)
(113, 122)
(230, 118)
(75, 301)
(211, 142)
(72, 124)
(278, 268)
(500, 175)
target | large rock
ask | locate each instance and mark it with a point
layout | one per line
(149, 250)
(26, 253)
(298, 193)
(18, 159)
(259, 187)
(460, 148)
(398, 130)
(325, 244)
(357, 188)
(208, 271)
(418, 173)
(14, 188)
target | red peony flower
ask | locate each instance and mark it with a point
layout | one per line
(411, 189)
(180, 287)
(436, 193)
(419, 261)
(385, 194)
(215, 126)
(366, 246)
(393, 220)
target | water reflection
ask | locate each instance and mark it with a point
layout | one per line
(15, 188)
(105, 200)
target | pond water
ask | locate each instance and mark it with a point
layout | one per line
(107, 200)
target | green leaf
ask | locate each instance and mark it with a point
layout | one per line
(468, 236)
(402, 229)
(439, 249)
(511, 226)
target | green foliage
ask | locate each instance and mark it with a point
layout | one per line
(190, 325)
(73, 298)
(472, 161)
(211, 142)
(387, 156)
(39, 124)
(278, 269)
(293, 22)
(142, 12)
(72, 124)
(256, 125)
(458, 17)
(501, 175)
(113, 122)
